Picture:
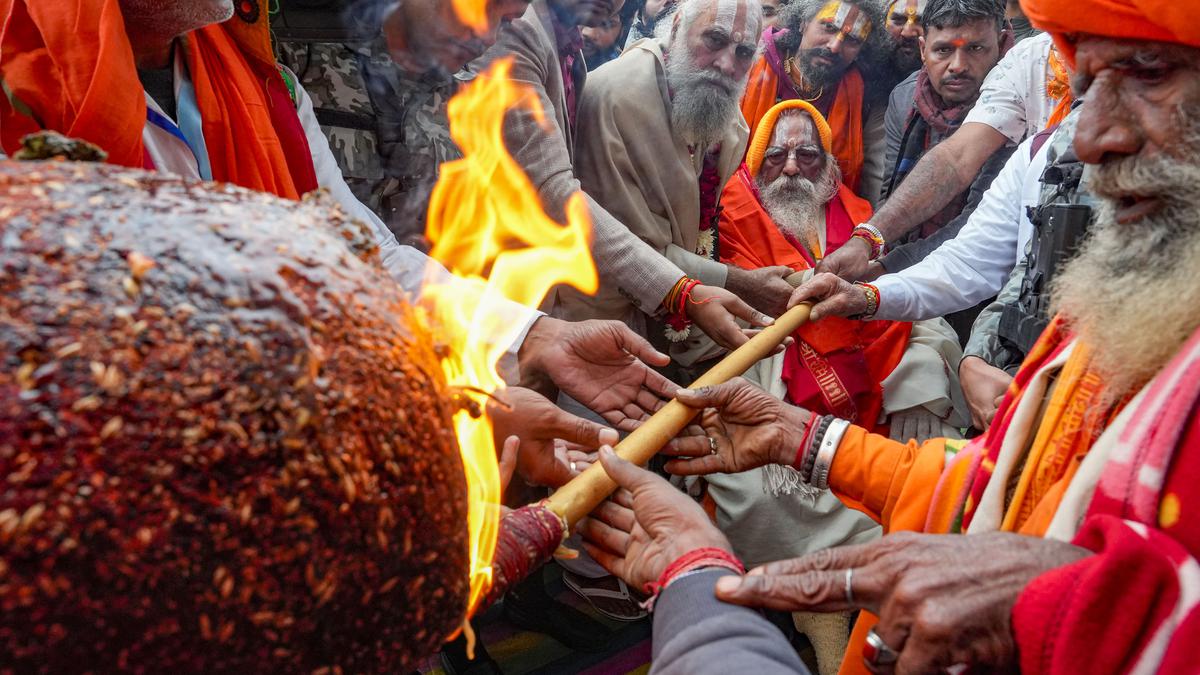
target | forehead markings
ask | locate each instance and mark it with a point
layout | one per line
(800, 133)
(849, 19)
(913, 9)
(727, 11)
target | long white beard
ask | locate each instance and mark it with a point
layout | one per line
(1132, 293)
(795, 204)
(704, 102)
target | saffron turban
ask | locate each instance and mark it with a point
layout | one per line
(1152, 20)
(766, 129)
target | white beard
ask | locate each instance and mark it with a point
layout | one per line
(1132, 293)
(704, 102)
(796, 204)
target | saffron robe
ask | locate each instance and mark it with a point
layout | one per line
(836, 365)
(1045, 469)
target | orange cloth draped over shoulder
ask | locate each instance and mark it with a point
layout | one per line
(68, 66)
(1154, 20)
(836, 365)
(845, 115)
(936, 487)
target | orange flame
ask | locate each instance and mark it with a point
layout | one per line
(487, 225)
(473, 13)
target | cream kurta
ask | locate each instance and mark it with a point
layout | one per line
(630, 162)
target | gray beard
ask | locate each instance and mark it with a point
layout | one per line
(796, 204)
(1131, 294)
(701, 109)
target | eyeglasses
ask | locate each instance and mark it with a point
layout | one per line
(777, 156)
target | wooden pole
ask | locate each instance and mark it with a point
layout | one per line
(586, 491)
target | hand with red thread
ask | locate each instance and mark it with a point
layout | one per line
(647, 525)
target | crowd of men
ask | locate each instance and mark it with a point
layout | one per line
(982, 449)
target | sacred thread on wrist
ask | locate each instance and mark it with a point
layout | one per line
(871, 234)
(689, 562)
(873, 296)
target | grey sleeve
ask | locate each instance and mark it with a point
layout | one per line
(696, 634)
(910, 254)
(893, 129)
(985, 332)
(541, 150)
(874, 149)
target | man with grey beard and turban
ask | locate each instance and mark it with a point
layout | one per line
(659, 134)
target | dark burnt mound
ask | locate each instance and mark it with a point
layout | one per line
(225, 445)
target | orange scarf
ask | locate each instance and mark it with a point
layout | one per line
(67, 65)
(845, 115)
(1058, 88)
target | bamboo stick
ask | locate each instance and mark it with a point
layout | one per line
(586, 491)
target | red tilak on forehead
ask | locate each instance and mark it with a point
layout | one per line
(959, 43)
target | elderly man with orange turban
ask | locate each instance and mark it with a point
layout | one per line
(1066, 539)
(787, 206)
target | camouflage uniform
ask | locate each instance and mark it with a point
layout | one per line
(387, 129)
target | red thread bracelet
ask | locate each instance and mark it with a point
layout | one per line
(692, 560)
(686, 295)
(804, 441)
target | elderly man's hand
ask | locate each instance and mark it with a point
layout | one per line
(544, 430)
(715, 311)
(601, 364)
(765, 289)
(741, 428)
(984, 386)
(849, 262)
(646, 526)
(831, 296)
(942, 600)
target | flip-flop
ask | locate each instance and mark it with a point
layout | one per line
(613, 600)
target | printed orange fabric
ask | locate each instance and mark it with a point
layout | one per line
(857, 355)
(934, 487)
(845, 115)
(1155, 20)
(1058, 88)
(61, 64)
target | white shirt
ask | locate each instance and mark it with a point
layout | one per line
(409, 267)
(1013, 98)
(974, 265)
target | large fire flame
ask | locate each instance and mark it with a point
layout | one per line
(487, 225)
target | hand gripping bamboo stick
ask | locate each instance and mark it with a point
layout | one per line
(586, 491)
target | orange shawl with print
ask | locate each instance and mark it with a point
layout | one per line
(917, 489)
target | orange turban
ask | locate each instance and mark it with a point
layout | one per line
(1153, 20)
(766, 128)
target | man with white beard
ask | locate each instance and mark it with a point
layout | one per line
(659, 134)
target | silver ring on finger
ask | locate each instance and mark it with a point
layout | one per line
(849, 587)
(877, 653)
(712, 445)
(573, 467)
